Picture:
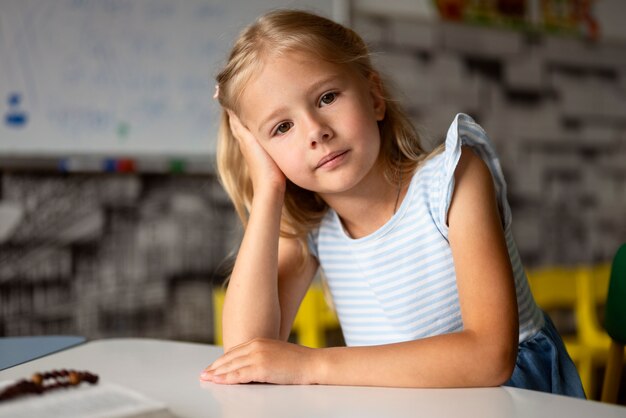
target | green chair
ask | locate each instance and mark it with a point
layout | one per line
(615, 324)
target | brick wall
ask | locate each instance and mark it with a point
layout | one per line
(113, 255)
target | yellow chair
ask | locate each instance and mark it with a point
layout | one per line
(581, 290)
(615, 323)
(313, 319)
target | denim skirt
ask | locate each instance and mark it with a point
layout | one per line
(544, 365)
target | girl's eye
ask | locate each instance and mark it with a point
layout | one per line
(328, 98)
(283, 127)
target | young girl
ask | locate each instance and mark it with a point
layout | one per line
(325, 171)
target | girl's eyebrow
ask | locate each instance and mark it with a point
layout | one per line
(309, 90)
(271, 116)
(316, 85)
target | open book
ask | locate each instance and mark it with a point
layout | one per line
(97, 401)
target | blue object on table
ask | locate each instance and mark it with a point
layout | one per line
(17, 350)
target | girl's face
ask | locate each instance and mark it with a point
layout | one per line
(317, 121)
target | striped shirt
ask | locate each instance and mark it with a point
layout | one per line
(399, 283)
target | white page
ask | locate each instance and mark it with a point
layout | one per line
(97, 401)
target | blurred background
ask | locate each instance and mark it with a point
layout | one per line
(112, 221)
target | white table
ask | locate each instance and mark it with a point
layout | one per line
(168, 371)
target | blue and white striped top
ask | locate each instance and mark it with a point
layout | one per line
(398, 283)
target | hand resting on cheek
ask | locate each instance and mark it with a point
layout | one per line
(263, 170)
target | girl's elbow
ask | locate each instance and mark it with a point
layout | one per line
(502, 365)
(501, 355)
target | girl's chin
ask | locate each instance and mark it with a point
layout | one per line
(331, 185)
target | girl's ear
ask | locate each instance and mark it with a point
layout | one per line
(378, 98)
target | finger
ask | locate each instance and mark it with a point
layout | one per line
(216, 365)
(236, 126)
(237, 356)
(237, 351)
(240, 131)
(242, 375)
(225, 367)
(234, 364)
(229, 372)
(206, 376)
(232, 118)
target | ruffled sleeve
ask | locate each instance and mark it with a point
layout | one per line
(464, 131)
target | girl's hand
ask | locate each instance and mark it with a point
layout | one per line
(263, 360)
(263, 170)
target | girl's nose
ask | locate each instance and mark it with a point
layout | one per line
(319, 133)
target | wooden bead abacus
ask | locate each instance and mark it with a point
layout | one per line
(42, 382)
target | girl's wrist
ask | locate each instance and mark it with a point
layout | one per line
(269, 194)
(318, 366)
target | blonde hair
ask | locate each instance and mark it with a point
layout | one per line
(284, 31)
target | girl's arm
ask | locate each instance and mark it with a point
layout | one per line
(483, 354)
(263, 294)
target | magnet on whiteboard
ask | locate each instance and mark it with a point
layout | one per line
(15, 118)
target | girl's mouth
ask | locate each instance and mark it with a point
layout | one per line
(332, 159)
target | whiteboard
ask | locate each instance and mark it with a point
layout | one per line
(117, 77)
